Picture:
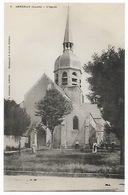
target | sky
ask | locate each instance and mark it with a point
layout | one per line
(34, 36)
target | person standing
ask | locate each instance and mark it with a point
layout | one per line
(94, 150)
(102, 144)
(48, 144)
(106, 145)
(77, 145)
(19, 147)
(33, 148)
(113, 146)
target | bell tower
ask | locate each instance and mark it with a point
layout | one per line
(67, 67)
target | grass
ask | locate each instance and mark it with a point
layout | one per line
(65, 161)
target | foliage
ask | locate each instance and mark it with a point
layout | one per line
(107, 86)
(92, 137)
(16, 119)
(107, 131)
(52, 108)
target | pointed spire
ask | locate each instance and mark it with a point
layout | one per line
(68, 42)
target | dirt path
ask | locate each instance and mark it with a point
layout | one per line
(46, 183)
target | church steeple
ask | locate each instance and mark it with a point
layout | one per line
(68, 42)
(67, 67)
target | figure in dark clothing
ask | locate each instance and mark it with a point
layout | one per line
(113, 146)
(106, 145)
(102, 144)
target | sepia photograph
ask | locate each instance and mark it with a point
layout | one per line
(64, 67)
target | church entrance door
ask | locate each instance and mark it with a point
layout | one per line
(41, 139)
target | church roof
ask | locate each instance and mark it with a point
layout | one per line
(93, 109)
(67, 60)
(44, 76)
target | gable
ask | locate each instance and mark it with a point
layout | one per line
(41, 84)
(36, 93)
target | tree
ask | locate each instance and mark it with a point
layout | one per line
(107, 88)
(107, 131)
(16, 120)
(92, 136)
(52, 108)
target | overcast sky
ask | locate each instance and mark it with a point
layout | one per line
(36, 37)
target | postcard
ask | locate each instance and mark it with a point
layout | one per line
(64, 96)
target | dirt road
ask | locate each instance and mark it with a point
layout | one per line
(50, 183)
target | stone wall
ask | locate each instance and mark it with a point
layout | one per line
(9, 141)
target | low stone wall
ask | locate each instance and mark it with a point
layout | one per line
(10, 142)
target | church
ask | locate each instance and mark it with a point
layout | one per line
(84, 123)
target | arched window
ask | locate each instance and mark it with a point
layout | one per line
(75, 122)
(64, 78)
(56, 79)
(74, 78)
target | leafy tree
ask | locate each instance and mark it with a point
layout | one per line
(107, 88)
(16, 119)
(52, 108)
(107, 131)
(92, 136)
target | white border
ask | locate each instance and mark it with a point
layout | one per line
(2, 74)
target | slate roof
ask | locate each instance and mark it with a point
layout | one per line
(67, 60)
(95, 112)
(93, 109)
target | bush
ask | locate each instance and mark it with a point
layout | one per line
(11, 148)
